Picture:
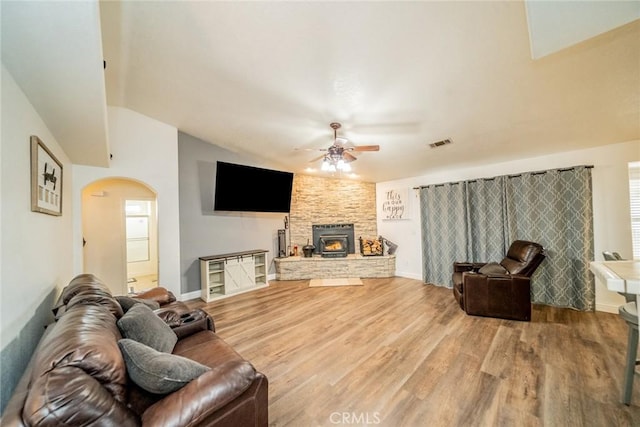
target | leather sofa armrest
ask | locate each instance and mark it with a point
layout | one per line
(184, 322)
(171, 317)
(159, 294)
(202, 396)
(461, 267)
(195, 321)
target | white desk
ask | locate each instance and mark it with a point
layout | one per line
(624, 276)
(619, 276)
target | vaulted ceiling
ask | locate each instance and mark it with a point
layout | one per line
(265, 79)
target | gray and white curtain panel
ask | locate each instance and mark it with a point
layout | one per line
(477, 220)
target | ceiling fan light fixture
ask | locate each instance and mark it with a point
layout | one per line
(338, 157)
(341, 165)
(328, 165)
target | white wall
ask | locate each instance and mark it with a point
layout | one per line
(146, 150)
(612, 224)
(36, 248)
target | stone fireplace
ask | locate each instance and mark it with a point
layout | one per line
(334, 207)
(324, 205)
(333, 240)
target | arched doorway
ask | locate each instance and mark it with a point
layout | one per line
(119, 227)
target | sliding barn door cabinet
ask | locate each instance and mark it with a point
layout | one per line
(232, 273)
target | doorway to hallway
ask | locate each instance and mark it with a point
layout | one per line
(119, 226)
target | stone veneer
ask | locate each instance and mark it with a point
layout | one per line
(318, 200)
(300, 268)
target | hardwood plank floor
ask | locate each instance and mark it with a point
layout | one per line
(397, 352)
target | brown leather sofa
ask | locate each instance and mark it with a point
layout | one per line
(78, 375)
(501, 290)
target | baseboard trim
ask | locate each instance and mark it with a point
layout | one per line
(607, 308)
(190, 295)
(408, 275)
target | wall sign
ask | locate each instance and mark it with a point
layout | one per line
(395, 204)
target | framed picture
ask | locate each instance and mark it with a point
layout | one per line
(46, 179)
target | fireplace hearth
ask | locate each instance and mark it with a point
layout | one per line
(333, 240)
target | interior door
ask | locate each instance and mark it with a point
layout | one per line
(103, 232)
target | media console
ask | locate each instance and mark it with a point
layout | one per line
(232, 273)
(317, 267)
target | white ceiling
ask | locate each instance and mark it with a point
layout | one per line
(555, 25)
(53, 51)
(266, 78)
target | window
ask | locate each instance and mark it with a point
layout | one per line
(137, 225)
(634, 201)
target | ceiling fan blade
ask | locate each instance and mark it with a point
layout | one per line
(317, 158)
(348, 157)
(365, 148)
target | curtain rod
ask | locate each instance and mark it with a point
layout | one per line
(508, 176)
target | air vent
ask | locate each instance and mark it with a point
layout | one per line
(440, 143)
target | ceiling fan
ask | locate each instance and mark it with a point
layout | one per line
(338, 155)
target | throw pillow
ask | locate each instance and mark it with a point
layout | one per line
(158, 372)
(127, 302)
(493, 268)
(141, 324)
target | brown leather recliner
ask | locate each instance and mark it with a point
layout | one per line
(502, 289)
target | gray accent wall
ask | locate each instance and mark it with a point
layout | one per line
(203, 231)
(16, 355)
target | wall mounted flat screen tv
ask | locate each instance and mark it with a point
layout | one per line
(241, 188)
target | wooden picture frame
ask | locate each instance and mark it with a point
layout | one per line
(46, 179)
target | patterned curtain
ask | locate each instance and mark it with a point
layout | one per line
(554, 208)
(486, 217)
(477, 221)
(444, 221)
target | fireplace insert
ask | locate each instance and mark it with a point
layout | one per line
(319, 230)
(334, 245)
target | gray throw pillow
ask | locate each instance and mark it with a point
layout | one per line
(158, 372)
(493, 268)
(141, 324)
(127, 302)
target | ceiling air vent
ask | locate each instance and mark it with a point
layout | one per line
(440, 143)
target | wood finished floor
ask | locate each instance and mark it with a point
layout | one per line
(396, 352)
